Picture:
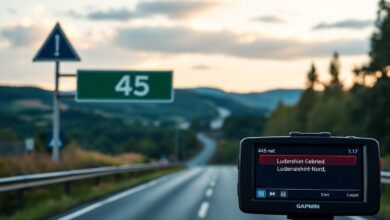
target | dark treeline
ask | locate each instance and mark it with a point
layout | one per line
(362, 110)
(114, 136)
(234, 129)
(109, 135)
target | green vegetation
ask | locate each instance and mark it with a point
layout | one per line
(42, 202)
(234, 129)
(111, 135)
(385, 202)
(73, 157)
(147, 129)
(189, 104)
(360, 111)
(380, 43)
(114, 136)
(227, 151)
(36, 101)
(386, 162)
(244, 126)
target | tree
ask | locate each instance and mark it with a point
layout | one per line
(380, 42)
(335, 86)
(281, 121)
(239, 126)
(359, 77)
(307, 101)
(334, 70)
(312, 77)
(328, 114)
(368, 112)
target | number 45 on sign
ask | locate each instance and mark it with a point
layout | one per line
(124, 86)
(141, 85)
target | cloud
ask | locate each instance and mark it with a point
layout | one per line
(22, 36)
(346, 24)
(111, 14)
(171, 9)
(201, 67)
(176, 40)
(269, 19)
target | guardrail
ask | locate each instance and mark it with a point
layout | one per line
(385, 177)
(24, 182)
(35, 180)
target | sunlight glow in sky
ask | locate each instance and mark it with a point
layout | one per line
(241, 46)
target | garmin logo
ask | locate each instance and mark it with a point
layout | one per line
(308, 206)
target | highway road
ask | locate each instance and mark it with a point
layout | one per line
(209, 148)
(199, 192)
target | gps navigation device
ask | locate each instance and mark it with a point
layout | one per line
(311, 174)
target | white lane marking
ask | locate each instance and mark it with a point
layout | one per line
(212, 183)
(108, 200)
(209, 192)
(122, 195)
(356, 218)
(203, 210)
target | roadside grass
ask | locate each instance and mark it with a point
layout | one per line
(73, 157)
(385, 202)
(44, 202)
(386, 162)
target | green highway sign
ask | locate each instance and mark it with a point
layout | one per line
(124, 86)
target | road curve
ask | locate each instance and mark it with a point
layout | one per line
(209, 147)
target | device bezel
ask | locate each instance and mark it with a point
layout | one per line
(371, 179)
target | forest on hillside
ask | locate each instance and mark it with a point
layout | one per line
(362, 110)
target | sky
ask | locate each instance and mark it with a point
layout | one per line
(238, 46)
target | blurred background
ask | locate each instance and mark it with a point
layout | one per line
(241, 68)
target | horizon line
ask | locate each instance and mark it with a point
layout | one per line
(3, 84)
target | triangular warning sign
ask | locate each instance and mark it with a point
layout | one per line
(57, 48)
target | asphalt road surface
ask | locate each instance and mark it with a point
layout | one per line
(199, 192)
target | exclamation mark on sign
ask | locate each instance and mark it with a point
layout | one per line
(57, 45)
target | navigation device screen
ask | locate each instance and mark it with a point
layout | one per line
(309, 173)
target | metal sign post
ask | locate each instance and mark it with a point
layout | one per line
(56, 116)
(56, 48)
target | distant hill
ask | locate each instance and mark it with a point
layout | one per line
(267, 100)
(197, 103)
(127, 127)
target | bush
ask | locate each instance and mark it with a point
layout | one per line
(72, 157)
